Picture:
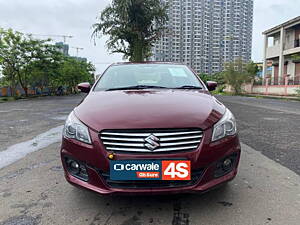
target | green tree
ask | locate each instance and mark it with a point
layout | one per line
(73, 71)
(252, 68)
(45, 71)
(133, 26)
(3, 81)
(41, 62)
(217, 77)
(238, 72)
(9, 57)
(19, 54)
(205, 77)
(37, 63)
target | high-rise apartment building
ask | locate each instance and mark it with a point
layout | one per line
(63, 48)
(206, 33)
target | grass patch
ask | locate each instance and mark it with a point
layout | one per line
(223, 93)
(7, 99)
(291, 98)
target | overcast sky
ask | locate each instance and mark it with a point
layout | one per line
(75, 17)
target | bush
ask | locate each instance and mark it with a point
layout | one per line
(217, 77)
(238, 72)
(258, 81)
(204, 77)
(298, 92)
(220, 88)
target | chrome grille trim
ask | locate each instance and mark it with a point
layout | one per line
(147, 150)
(165, 140)
(123, 139)
(147, 134)
(178, 143)
(124, 144)
(180, 138)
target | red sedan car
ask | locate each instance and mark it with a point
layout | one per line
(149, 128)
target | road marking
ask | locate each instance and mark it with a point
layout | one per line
(11, 110)
(63, 118)
(20, 150)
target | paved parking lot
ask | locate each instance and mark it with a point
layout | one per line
(270, 126)
(266, 190)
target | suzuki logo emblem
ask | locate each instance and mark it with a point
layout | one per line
(152, 142)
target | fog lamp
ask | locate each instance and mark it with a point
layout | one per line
(227, 162)
(74, 165)
(77, 169)
(225, 165)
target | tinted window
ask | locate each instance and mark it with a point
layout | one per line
(160, 75)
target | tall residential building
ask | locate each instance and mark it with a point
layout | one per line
(206, 33)
(63, 48)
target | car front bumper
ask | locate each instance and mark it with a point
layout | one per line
(205, 158)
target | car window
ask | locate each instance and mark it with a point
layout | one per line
(160, 75)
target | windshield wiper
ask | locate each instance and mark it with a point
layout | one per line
(134, 87)
(189, 87)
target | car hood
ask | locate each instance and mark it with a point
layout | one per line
(135, 109)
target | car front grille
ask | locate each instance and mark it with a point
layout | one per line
(151, 140)
(195, 178)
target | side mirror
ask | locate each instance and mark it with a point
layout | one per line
(84, 87)
(211, 85)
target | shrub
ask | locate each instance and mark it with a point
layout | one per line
(298, 92)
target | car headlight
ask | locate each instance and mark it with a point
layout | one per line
(76, 130)
(225, 126)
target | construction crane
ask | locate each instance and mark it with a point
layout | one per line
(77, 50)
(53, 35)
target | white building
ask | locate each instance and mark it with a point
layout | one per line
(206, 33)
(282, 49)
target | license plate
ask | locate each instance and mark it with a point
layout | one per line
(150, 170)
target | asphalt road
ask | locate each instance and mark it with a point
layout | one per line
(22, 120)
(270, 126)
(266, 190)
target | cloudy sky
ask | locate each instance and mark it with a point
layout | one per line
(75, 17)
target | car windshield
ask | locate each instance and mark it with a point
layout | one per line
(143, 76)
